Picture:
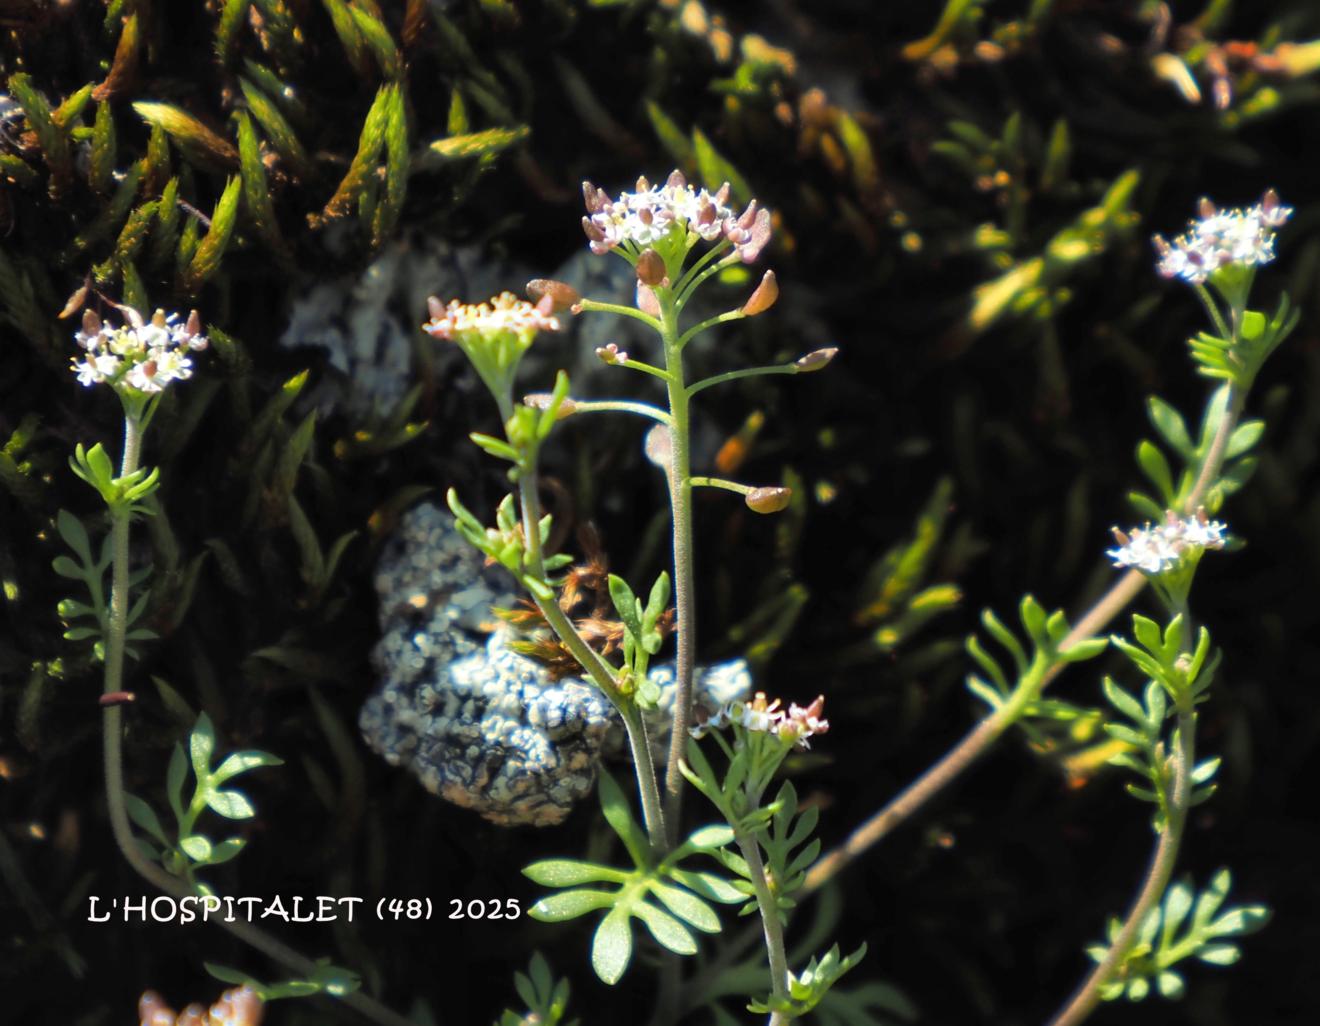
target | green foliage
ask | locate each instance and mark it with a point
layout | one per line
(1239, 358)
(328, 979)
(891, 595)
(641, 637)
(504, 543)
(1171, 492)
(195, 139)
(1019, 688)
(124, 495)
(668, 898)
(354, 187)
(785, 837)
(545, 998)
(808, 988)
(205, 260)
(91, 571)
(1148, 749)
(52, 136)
(1183, 671)
(256, 188)
(184, 850)
(1170, 936)
(281, 134)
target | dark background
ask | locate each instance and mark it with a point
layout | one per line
(979, 909)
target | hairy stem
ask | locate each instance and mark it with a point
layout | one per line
(1158, 874)
(112, 733)
(680, 499)
(975, 743)
(770, 924)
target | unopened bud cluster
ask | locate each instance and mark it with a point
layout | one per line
(1221, 238)
(139, 356)
(239, 1006)
(796, 726)
(1153, 550)
(647, 216)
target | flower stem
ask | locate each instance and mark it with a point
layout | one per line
(719, 482)
(770, 923)
(709, 322)
(1212, 308)
(748, 372)
(624, 311)
(1087, 996)
(975, 743)
(619, 406)
(601, 674)
(112, 742)
(680, 500)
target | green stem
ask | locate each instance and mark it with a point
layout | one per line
(770, 923)
(112, 737)
(974, 744)
(1214, 457)
(624, 311)
(1212, 308)
(709, 322)
(687, 283)
(1160, 871)
(645, 368)
(680, 500)
(599, 671)
(747, 372)
(619, 406)
(691, 282)
(719, 482)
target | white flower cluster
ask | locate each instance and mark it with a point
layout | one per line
(139, 356)
(796, 726)
(1222, 237)
(1153, 550)
(645, 217)
(506, 312)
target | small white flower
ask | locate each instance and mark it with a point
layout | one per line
(1154, 550)
(95, 369)
(1222, 237)
(796, 726)
(142, 356)
(1209, 534)
(647, 215)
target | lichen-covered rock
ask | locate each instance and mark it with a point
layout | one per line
(477, 723)
(368, 323)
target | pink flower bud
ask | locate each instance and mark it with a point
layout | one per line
(541, 401)
(611, 354)
(593, 233)
(647, 301)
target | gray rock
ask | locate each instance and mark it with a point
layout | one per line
(477, 723)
